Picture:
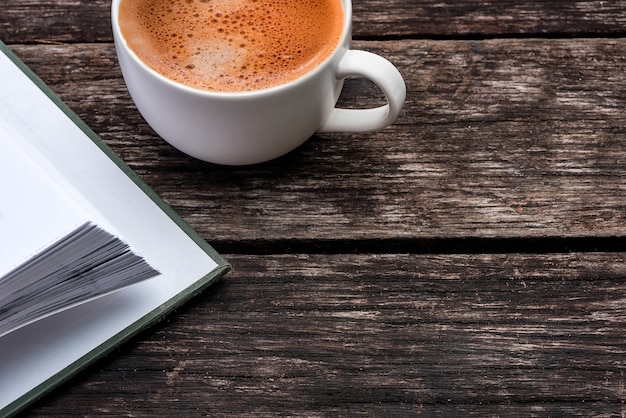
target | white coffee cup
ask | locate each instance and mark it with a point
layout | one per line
(256, 126)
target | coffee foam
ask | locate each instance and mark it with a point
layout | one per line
(232, 45)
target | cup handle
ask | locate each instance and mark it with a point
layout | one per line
(385, 76)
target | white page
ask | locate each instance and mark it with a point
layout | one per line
(33, 355)
(25, 191)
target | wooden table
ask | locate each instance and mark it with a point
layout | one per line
(468, 260)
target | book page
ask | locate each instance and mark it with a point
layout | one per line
(34, 211)
(53, 256)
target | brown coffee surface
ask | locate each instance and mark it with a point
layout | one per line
(232, 45)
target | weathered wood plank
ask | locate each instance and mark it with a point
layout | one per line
(37, 21)
(478, 18)
(29, 21)
(378, 334)
(498, 139)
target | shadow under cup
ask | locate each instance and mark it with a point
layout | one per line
(254, 126)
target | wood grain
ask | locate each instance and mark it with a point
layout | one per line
(498, 139)
(75, 21)
(384, 335)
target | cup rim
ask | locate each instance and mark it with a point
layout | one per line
(345, 37)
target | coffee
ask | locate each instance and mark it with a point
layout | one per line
(232, 45)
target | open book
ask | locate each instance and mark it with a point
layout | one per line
(89, 255)
(53, 254)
